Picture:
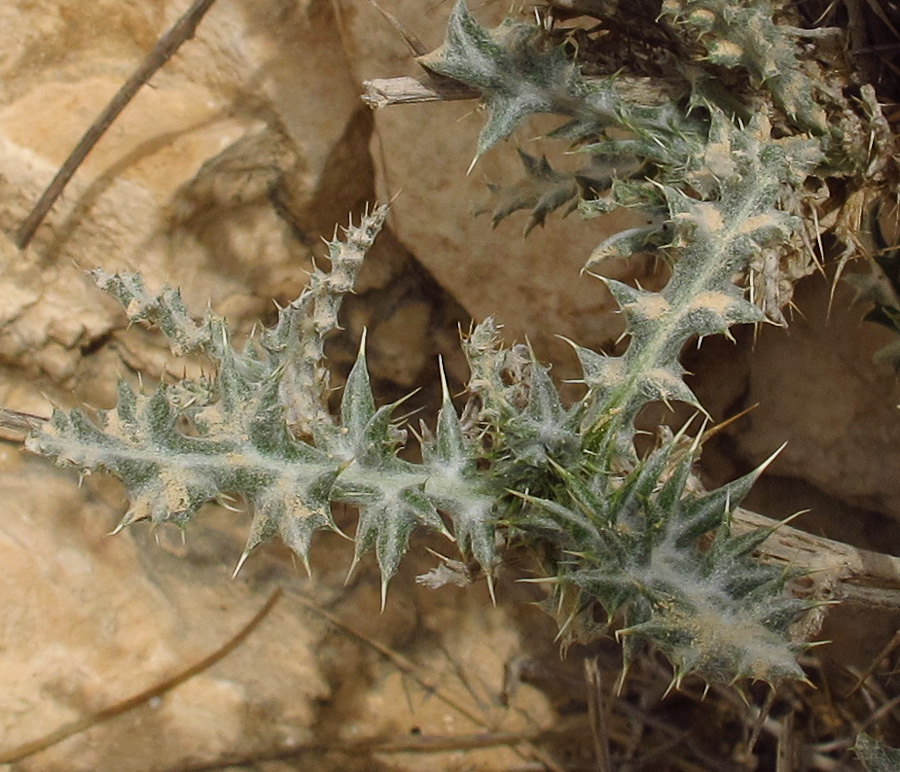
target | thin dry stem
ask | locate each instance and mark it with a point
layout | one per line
(164, 49)
(92, 719)
(383, 92)
(597, 714)
(876, 660)
(838, 571)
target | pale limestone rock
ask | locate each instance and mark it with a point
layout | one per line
(261, 94)
(88, 622)
(48, 314)
(818, 386)
(820, 390)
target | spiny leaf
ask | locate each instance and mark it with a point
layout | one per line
(744, 34)
(711, 241)
(543, 190)
(627, 243)
(519, 75)
(389, 492)
(515, 77)
(634, 546)
(876, 756)
(167, 309)
(456, 486)
(185, 445)
(544, 430)
(298, 340)
(498, 374)
(390, 505)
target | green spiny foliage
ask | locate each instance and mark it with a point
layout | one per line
(632, 544)
(711, 241)
(631, 538)
(744, 35)
(260, 429)
(718, 195)
(519, 76)
(543, 191)
(455, 485)
(627, 532)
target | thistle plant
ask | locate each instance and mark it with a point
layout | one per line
(630, 541)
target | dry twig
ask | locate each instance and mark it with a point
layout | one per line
(164, 49)
(410, 669)
(414, 744)
(384, 92)
(92, 719)
(837, 571)
(597, 713)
